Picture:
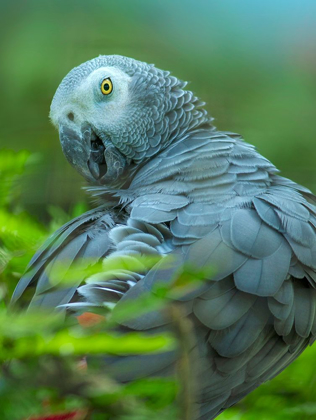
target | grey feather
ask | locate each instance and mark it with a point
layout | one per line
(92, 245)
(213, 253)
(267, 357)
(224, 310)
(264, 277)
(236, 339)
(305, 306)
(253, 237)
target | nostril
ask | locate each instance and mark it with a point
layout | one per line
(70, 116)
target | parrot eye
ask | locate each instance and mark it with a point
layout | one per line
(106, 86)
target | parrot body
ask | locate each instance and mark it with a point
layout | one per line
(172, 185)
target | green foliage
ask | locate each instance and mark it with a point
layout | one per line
(11, 165)
(20, 234)
(35, 334)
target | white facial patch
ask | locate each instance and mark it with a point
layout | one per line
(87, 103)
(108, 108)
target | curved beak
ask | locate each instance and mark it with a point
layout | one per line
(95, 158)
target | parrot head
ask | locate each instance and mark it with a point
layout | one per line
(114, 112)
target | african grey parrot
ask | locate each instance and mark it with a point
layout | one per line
(172, 184)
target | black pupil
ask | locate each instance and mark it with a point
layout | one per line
(106, 86)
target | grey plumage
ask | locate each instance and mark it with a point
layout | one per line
(172, 184)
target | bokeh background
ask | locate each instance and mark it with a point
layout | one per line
(253, 62)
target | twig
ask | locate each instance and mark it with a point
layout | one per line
(185, 337)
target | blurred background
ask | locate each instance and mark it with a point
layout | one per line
(254, 63)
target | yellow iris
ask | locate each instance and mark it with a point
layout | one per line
(106, 86)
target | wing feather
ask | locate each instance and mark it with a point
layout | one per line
(84, 238)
